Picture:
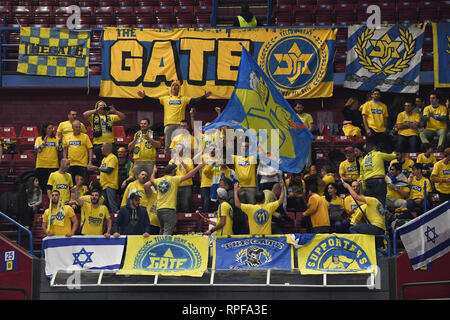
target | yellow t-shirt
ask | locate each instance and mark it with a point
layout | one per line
(422, 158)
(107, 136)
(433, 124)
(65, 128)
(406, 165)
(132, 187)
(373, 164)
(207, 172)
(404, 118)
(245, 169)
(338, 201)
(374, 212)
(442, 171)
(181, 171)
(167, 187)
(351, 207)
(375, 112)
(92, 219)
(347, 169)
(174, 108)
(87, 198)
(151, 207)
(260, 216)
(60, 221)
(306, 118)
(418, 188)
(48, 157)
(110, 180)
(61, 182)
(77, 148)
(318, 210)
(225, 210)
(143, 149)
(328, 178)
(394, 194)
(183, 139)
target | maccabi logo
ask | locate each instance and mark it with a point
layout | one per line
(295, 62)
(335, 254)
(167, 253)
(163, 187)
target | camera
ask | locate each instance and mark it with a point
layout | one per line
(106, 108)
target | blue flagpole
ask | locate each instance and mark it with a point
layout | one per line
(425, 197)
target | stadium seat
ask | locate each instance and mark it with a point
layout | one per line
(170, 3)
(151, 3)
(87, 3)
(106, 3)
(144, 15)
(8, 134)
(427, 10)
(389, 12)
(126, 3)
(187, 223)
(283, 14)
(7, 164)
(184, 14)
(119, 135)
(47, 2)
(203, 14)
(27, 135)
(190, 3)
(324, 13)
(444, 10)
(302, 13)
(345, 13)
(164, 15)
(407, 10)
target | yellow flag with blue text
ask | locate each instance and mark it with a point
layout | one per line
(181, 255)
(337, 253)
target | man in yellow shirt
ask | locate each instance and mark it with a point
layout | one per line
(317, 207)
(375, 117)
(326, 177)
(65, 127)
(78, 149)
(166, 200)
(374, 214)
(259, 214)
(184, 165)
(349, 169)
(397, 187)
(102, 119)
(224, 226)
(109, 176)
(174, 109)
(407, 127)
(418, 184)
(144, 148)
(139, 187)
(61, 180)
(405, 162)
(245, 168)
(46, 147)
(93, 215)
(59, 219)
(441, 177)
(435, 116)
(427, 159)
(373, 173)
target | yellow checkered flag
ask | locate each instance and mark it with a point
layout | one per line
(53, 52)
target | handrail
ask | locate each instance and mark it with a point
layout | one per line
(417, 284)
(19, 234)
(25, 294)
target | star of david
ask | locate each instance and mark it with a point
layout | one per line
(163, 186)
(82, 262)
(433, 236)
(296, 61)
(385, 49)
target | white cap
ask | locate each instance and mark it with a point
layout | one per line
(222, 193)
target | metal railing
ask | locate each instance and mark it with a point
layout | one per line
(19, 233)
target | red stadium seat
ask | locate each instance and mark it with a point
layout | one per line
(427, 10)
(148, 3)
(164, 15)
(104, 11)
(188, 223)
(187, 3)
(119, 135)
(184, 14)
(126, 3)
(27, 135)
(324, 13)
(283, 14)
(345, 12)
(7, 133)
(87, 3)
(407, 10)
(203, 14)
(170, 3)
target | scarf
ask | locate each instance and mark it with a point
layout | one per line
(97, 123)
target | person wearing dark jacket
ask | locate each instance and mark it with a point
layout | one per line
(132, 219)
(246, 19)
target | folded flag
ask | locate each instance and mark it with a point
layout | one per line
(427, 237)
(82, 253)
(441, 54)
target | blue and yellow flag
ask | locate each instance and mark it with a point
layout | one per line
(183, 255)
(257, 104)
(53, 52)
(299, 61)
(337, 253)
(441, 50)
(250, 252)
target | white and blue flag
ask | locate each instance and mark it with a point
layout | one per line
(387, 58)
(427, 237)
(82, 253)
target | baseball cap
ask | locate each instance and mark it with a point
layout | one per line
(134, 195)
(222, 193)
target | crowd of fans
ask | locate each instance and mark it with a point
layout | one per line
(375, 184)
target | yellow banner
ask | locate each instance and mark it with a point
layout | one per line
(338, 253)
(183, 255)
(298, 61)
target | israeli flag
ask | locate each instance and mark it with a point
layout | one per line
(427, 237)
(82, 253)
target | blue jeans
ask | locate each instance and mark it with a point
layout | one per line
(408, 143)
(376, 188)
(364, 228)
(110, 199)
(205, 194)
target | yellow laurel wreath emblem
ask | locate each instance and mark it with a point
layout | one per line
(398, 66)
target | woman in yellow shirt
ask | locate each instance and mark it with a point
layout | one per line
(335, 204)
